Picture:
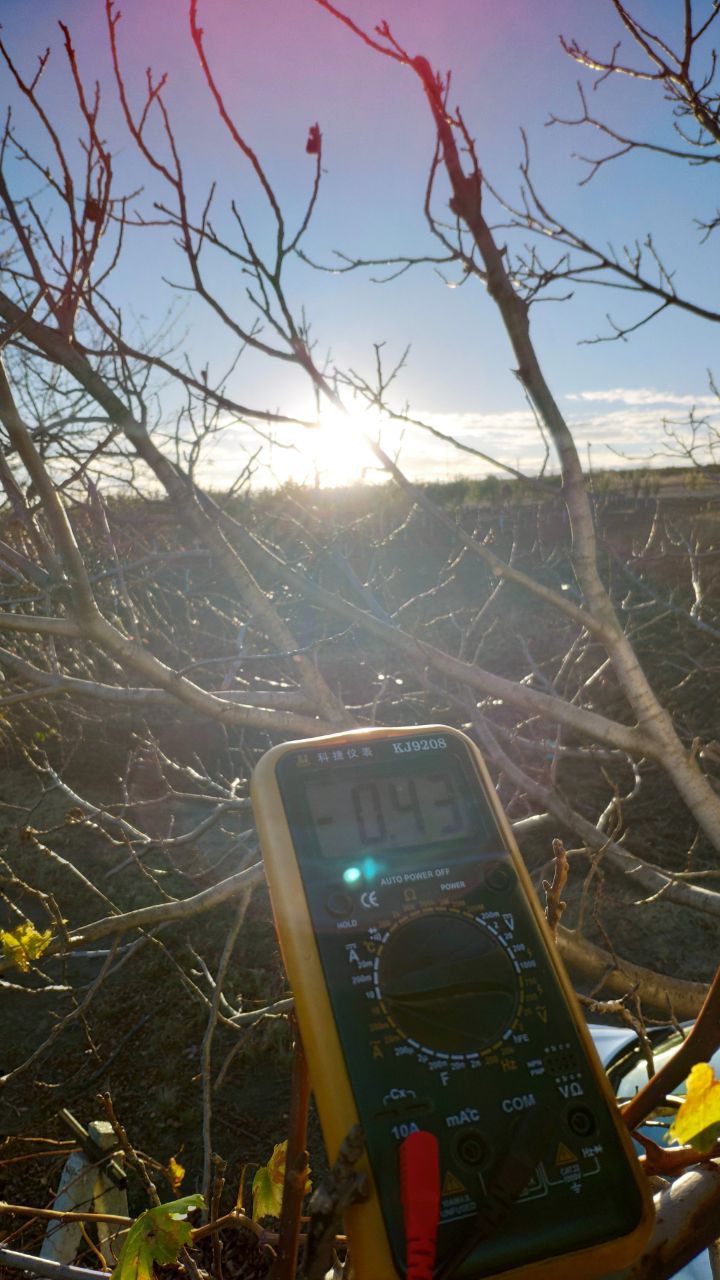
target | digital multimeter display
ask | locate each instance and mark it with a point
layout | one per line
(443, 996)
(398, 808)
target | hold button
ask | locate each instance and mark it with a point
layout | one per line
(339, 904)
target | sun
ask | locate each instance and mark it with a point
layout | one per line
(336, 453)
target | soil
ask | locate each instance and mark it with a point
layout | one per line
(142, 1043)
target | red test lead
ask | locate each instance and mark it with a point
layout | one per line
(420, 1192)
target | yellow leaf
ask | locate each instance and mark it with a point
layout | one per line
(268, 1184)
(24, 944)
(267, 1187)
(176, 1173)
(240, 1201)
(698, 1119)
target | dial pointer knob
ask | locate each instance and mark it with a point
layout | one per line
(447, 982)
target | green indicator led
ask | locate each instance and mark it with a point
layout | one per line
(352, 875)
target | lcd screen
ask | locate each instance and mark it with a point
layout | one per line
(356, 811)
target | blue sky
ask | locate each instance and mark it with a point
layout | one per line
(284, 64)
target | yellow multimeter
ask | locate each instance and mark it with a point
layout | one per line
(430, 997)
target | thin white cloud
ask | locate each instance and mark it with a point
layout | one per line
(635, 396)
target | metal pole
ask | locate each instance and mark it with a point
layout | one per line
(45, 1267)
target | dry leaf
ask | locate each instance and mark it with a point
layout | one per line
(176, 1173)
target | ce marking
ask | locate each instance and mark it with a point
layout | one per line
(369, 899)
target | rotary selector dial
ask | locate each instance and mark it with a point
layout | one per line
(448, 983)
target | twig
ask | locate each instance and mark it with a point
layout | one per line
(632, 1020)
(104, 1067)
(234, 1219)
(207, 1043)
(296, 1167)
(69, 1216)
(131, 1155)
(77, 1012)
(39, 1155)
(342, 1187)
(219, 1167)
(142, 917)
(194, 1272)
(554, 905)
(93, 1247)
(668, 1164)
(241, 1221)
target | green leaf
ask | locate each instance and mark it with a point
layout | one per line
(157, 1235)
(267, 1187)
(698, 1119)
(24, 944)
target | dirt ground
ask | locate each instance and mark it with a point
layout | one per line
(142, 1036)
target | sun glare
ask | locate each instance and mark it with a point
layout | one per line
(337, 454)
